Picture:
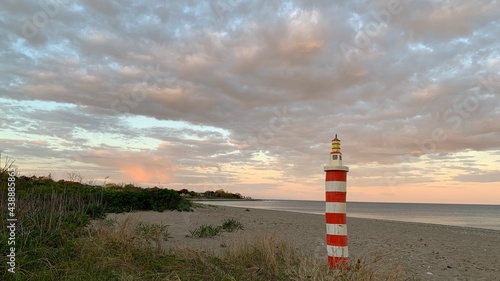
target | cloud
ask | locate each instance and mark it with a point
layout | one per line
(253, 87)
(482, 176)
(137, 167)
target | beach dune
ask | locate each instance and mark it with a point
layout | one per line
(422, 251)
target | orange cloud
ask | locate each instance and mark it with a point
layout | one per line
(136, 173)
(147, 172)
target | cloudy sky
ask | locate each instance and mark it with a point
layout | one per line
(247, 95)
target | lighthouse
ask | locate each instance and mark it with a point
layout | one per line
(335, 214)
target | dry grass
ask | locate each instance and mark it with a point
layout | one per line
(108, 231)
(269, 257)
(117, 251)
(272, 257)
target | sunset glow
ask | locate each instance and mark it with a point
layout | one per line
(247, 96)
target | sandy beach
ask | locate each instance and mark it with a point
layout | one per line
(422, 251)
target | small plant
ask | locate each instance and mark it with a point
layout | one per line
(247, 210)
(205, 231)
(231, 225)
(151, 232)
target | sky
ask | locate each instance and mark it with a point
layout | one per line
(246, 96)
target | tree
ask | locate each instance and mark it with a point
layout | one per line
(220, 193)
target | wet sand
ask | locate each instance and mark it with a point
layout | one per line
(424, 251)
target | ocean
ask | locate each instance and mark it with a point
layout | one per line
(478, 216)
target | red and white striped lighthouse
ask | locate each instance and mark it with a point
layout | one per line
(336, 228)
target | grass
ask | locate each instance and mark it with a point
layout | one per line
(231, 225)
(113, 251)
(120, 251)
(56, 241)
(52, 219)
(153, 233)
(117, 255)
(47, 228)
(205, 230)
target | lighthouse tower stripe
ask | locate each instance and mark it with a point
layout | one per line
(336, 240)
(334, 175)
(335, 196)
(335, 208)
(339, 186)
(337, 251)
(336, 261)
(335, 218)
(336, 228)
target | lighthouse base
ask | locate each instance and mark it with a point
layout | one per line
(338, 263)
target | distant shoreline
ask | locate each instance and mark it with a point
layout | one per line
(421, 213)
(222, 199)
(364, 202)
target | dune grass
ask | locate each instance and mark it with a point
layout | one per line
(205, 230)
(111, 251)
(228, 225)
(57, 241)
(231, 225)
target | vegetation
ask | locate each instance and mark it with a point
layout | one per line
(205, 231)
(117, 200)
(115, 252)
(52, 218)
(62, 234)
(231, 225)
(218, 194)
(153, 232)
(100, 200)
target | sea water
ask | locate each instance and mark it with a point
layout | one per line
(478, 216)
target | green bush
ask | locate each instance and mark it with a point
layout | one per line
(184, 206)
(118, 201)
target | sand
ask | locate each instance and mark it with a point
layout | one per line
(424, 251)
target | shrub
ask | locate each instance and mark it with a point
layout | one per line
(231, 225)
(121, 200)
(205, 231)
(184, 207)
